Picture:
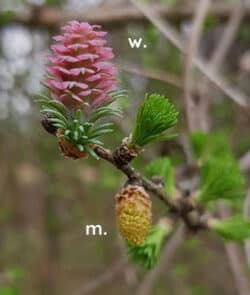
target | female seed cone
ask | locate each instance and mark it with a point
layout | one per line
(79, 70)
(133, 212)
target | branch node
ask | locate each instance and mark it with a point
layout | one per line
(125, 153)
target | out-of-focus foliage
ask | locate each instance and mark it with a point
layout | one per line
(8, 291)
(220, 174)
(209, 23)
(147, 254)
(6, 17)
(54, 2)
(199, 141)
(221, 179)
(211, 145)
(162, 167)
(235, 228)
(169, 2)
(11, 279)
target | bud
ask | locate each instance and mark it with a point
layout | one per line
(133, 212)
(67, 148)
(49, 127)
(125, 153)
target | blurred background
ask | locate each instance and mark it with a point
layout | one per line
(46, 200)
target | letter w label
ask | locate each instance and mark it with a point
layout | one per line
(135, 43)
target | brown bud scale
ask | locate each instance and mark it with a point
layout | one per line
(125, 153)
(67, 148)
(48, 126)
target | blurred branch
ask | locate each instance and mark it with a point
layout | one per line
(107, 13)
(165, 260)
(173, 36)
(228, 35)
(233, 253)
(153, 74)
(190, 104)
(244, 162)
(216, 61)
(103, 279)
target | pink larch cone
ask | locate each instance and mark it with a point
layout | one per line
(79, 70)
